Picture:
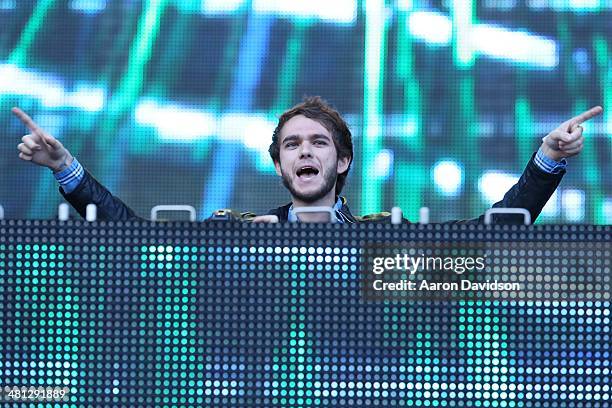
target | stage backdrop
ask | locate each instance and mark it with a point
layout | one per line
(174, 102)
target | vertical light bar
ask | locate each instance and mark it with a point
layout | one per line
(463, 16)
(523, 126)
(231, 53)
(131, 83)
(483, 330)
(374, 62)
(576, 82)
(407, 176)
(34, 24)
(291, 64)
(465, 139)
(602, 59)
(592, 175)
(287, 78)
(296, 356)
(140, 53)
(409, 196)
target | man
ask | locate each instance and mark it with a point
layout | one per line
(312, 151)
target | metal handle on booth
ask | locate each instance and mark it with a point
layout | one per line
(1, 212)
(323, 209)
(489, 214)
(187, 208)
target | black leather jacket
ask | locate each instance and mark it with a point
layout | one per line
(531, 192)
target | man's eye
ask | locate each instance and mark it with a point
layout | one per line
(320, 142)
(290, 145)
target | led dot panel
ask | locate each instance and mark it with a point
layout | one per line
(228, 315)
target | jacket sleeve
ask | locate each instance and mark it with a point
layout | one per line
(531, 192)
(90, 191)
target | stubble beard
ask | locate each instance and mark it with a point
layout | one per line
(329, 182)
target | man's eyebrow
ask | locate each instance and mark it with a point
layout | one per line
(313, 136)
(290, 137)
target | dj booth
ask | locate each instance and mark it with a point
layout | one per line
(223, 314)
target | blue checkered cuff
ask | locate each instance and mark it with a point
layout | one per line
(549, 165)
(70, 178)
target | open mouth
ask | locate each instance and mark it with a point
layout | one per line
(307, 172)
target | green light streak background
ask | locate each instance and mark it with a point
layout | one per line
(452, 101)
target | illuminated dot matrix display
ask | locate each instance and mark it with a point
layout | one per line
(228, 315)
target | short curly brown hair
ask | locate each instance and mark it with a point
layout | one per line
(316, 108)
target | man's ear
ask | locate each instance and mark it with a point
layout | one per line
(278, 168)
(343, 164)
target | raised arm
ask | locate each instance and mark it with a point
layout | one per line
(545, 170)
(77, 185)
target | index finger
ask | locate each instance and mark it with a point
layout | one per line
(26, 120)
(584, 116)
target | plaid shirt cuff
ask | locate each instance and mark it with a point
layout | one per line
(70, 178)
(549, 165)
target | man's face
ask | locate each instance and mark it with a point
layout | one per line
(309, 164)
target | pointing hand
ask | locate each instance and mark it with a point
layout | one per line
(41, 148)
(567, 139)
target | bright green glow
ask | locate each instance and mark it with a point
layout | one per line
(293, 368)
(403, 87)
(465, 140)
(411, 180)
(188, 6)
(463, 20)
(575, 85)
(294, 373)
(592, 175)
(407, 77)
(523, 125)
(482, 339)
(374, 57)
(602, 58)
(148, 28)
(131, 83)
(290, 68)
(176, 325)
(166, 74)
(172, 58)
(54, 316)
(287, 79)
(19, 55)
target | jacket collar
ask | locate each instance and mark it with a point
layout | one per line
(343, 213)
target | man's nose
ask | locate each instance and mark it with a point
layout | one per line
(305, 150)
